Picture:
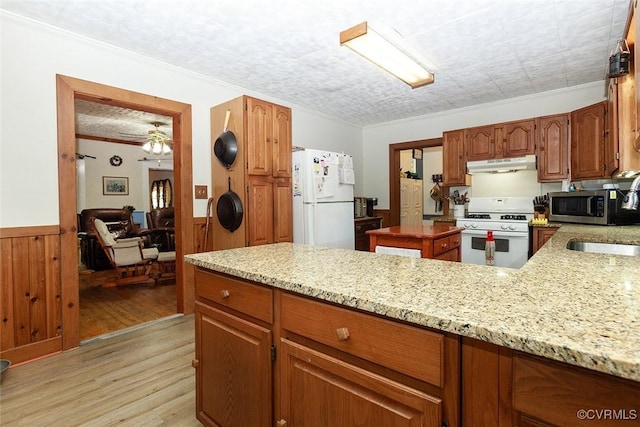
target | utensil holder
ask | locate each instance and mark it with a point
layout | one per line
(458, 211)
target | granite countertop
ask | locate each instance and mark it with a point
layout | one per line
(575, 307)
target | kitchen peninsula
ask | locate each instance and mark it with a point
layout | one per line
(441, 341)
(435, 242)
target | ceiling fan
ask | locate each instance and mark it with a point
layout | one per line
(156, 141)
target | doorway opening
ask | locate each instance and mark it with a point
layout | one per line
(68, 90)
(395, 151)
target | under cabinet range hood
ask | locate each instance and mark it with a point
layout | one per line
(502, 165)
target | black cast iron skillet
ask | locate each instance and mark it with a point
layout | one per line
(226, 146)
(229, 209)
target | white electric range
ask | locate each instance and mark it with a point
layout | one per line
(508, 218)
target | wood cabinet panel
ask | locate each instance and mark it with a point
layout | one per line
(588, 142)
(453, 158)
(259, 123)
(361, 225)
(553, 148)
(315, 382)
(365, 336)
(411, 198)
(282, 211)
(518, 138)
(551, 393)
(260, 210)
(540, 237)
(233, 370)
(281, 141)
(480, 143)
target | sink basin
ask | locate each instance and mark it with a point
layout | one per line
(605, 248)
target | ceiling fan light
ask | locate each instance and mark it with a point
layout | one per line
(156, 147)
(166, 149)
(147, 147)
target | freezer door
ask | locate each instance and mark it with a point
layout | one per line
(316, 176)
(329, 224)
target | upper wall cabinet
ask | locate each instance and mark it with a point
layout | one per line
(480, 143)
(269, 138)
(518, 138)
(552, 134)
(453, 158)
(512, 139)
(588, 142)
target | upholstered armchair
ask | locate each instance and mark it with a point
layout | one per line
(161, 224)
(119, 222)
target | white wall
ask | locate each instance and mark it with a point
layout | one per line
(32, 54)
(378, 137)
(432, 165)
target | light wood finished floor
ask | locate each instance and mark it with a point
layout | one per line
(106, 310)
(139, 378)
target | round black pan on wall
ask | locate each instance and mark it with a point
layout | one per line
(229, 209)
(226, 146)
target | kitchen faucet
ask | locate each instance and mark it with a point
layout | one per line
(631, 199)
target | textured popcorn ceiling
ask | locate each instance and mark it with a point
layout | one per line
(479, 50)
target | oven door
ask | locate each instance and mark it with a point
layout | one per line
(512, 248)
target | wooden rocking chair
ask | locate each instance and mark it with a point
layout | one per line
(131, 261)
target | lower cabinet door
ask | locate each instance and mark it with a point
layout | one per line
(320, 390)
(233, 370)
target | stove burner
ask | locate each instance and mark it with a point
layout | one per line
(515, 217)
(478, 216)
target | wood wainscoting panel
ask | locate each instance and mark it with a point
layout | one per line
(30, 304)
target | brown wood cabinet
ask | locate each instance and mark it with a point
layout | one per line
(553, 147)
(261, 174)
(336, 356)
(508, 388)
(588, 132)
(480, 143)
(361, 226)
(454, 159)
(518, 138)
(233, 351)
(540, 237)
(411, 197)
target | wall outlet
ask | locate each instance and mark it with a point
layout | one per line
(201, 192)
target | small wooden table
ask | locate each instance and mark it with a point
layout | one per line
(434, 241)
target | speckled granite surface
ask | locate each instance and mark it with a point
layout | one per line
(575, 307)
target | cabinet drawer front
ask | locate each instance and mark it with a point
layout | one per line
(448, 256)
(253, 300)
(441, 245)
(406, 349)
(556, 393)
(454, 241)
(362, 226)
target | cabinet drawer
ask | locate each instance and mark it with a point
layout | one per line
(363, 226)
(406, 349)
(445, 244)
(452, 255)
(556, 393)
(252, 300)
(454, 241)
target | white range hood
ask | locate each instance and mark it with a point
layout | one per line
(502, 165)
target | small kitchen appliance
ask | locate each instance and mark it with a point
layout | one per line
(508, 220)
(359, 207)
(598, 207)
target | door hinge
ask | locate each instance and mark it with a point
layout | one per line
(445, 424)
(273, 353)
(617, 156)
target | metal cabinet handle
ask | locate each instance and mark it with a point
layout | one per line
(281, 423)
(224, 293)
(343, 334)
(195, 363)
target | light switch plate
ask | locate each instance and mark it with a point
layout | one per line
(201, 191)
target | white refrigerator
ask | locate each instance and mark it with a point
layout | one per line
(323, 199)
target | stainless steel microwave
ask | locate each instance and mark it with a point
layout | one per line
(600, 207)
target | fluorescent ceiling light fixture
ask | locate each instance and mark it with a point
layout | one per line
(372, 46)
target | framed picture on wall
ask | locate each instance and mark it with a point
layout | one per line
(417, 153)
(115, 186)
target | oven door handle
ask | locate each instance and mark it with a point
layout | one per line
(496, 234)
